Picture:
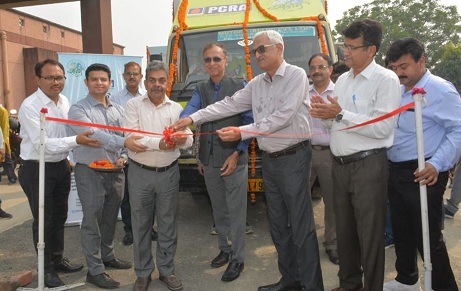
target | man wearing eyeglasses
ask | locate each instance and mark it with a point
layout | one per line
(132, 76)
(50, 80)
(224, 165)
(279, 100)
(360, 169)
(320, 70)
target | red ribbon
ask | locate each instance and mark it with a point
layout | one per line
(169, 131)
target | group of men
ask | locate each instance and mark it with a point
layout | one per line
(368, 163)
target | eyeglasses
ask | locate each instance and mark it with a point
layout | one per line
(131, 74)
(352, 48)
(52, 79)
(260, 49)
(214, 59)
(320, 67)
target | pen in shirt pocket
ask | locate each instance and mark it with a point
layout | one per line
(353, 101)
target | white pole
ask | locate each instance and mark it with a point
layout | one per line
(417, 98)
(41, 205)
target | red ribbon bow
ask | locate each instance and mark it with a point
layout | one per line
(415, 91)
(167, 135)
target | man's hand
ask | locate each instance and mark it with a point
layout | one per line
(133, 145)
(230, 164)
(84, 139)
(321, 109)
(120, 162)
(200, 168)
(428, 176)
(166, 146)
(181, 124)
(178, 138)
(230, 133)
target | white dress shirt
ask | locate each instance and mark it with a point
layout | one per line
(142, 114)
(372, 93)
(57, 143)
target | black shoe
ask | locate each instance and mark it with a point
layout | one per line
(65, 266)
(12, 181)
(220, 260)
(333, 256)
(52, 280)
(4, 215)
(233, 271)
(154, 235)
(118, 264)
(102, 281)
(128, 238)
(280, 287)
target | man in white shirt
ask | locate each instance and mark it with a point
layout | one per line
(360, 167)
(50, 79)
(133, 77)
(154, 178)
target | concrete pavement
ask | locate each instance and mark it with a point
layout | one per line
(196, 247)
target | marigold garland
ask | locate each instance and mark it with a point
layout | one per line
(326, 6)
(182, 26)
(245, 38)
(264, 11)
(320, 32)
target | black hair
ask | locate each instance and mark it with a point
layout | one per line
(370, 30)
(404, 46)
(39, 66)
(97, 67)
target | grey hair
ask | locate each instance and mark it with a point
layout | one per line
(157, 66)
(273, 36)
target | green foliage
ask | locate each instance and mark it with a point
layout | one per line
(429, 21)
(450, 66)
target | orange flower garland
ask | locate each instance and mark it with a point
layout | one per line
(264, 11)
(104, 164)
(182, 26)
(320, 32)
(245, 38)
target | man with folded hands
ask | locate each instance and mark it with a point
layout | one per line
(360, 169)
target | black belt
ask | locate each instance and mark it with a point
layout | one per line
(357, 156)
(155, 169)
(320, 147)
(289, 150)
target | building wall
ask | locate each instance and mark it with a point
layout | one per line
(24, 31)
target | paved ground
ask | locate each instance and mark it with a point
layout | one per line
(195, 249)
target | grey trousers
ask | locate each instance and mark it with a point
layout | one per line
(360, 203)
(455, 196)
(321, 167)
(151, 190)
(100, 194)
(228, 197)
(291, 219)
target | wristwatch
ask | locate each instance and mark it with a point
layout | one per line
(339, 116)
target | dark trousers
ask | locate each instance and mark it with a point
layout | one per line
(360, 201)
(57, 187)
(404, 199)
(125, 207)
(8, 167)
(291, 219)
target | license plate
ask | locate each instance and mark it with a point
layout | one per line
(255, 185)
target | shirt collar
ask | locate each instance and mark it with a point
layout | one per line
(367, 72)
(330, 87)
(280, 72)
(45, 99)
(166, 100)
(421, 83)
(93, 102)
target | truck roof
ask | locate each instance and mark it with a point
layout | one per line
(205, 13)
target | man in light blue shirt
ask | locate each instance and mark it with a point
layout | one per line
(441, 119)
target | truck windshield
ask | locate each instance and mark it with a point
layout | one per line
(301, 42)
